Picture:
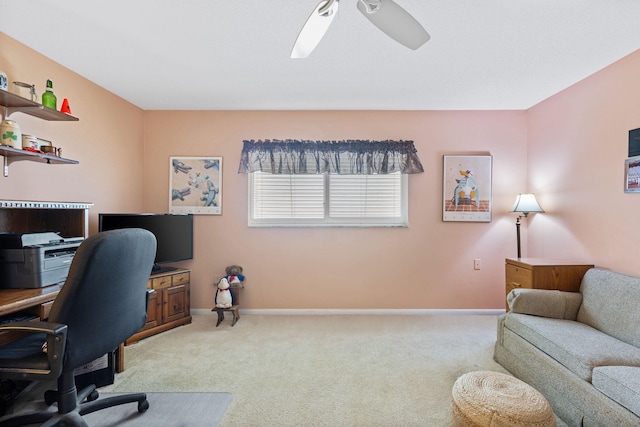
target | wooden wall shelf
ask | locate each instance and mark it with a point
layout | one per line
(13, 103)
(11, 155)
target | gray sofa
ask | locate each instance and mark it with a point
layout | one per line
(580, 350)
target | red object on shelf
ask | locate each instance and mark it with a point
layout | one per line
(33, 150)
(65, 107)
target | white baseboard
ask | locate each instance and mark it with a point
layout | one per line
(339, 311)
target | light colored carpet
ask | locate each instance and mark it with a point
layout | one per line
(318, 370)
(338, 370)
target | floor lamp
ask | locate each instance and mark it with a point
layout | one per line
(525, 204)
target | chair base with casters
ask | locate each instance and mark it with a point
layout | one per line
(73, 404)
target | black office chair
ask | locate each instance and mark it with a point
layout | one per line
(101, 304)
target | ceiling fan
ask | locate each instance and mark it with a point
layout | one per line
(387, 15)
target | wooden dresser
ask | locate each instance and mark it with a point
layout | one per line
(169, 303)
(542, 273)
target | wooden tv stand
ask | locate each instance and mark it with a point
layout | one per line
(169, 303)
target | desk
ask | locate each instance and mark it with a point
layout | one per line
(14, 300)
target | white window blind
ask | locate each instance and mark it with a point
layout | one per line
(327, 200)
(287, 196)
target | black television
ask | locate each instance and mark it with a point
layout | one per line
(174, 234)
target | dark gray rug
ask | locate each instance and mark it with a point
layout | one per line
(174, 409)
(165, 409)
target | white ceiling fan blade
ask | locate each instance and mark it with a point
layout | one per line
(314, 29)
(395, 22)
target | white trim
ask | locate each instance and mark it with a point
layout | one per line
(375, 311)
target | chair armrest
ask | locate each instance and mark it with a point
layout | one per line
(56, 341)
(35, 326)
(545, 303)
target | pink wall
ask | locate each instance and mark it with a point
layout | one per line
(107, 141)
(569, 149)
(428, 265)
(578, 141)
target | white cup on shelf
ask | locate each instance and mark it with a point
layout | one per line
(30, 141)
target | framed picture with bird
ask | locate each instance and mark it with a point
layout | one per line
(466, 192)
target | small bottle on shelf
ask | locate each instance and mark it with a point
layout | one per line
(48, 97)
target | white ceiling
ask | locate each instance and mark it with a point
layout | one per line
(234, 54)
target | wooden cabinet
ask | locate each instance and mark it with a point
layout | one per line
(169, 303)
(66, 218)
(541, 273)
(154, 311)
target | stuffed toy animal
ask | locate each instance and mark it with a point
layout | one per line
(223, 294)
(234, 276)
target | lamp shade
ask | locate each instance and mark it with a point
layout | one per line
(526, 203)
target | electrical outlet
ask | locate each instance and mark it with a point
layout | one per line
(476, 264)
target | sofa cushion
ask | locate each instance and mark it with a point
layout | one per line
(610, 304)
(620, 383)
(578, 347)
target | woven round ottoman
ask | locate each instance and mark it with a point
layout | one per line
(485, 398)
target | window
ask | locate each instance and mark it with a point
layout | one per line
(327, 200)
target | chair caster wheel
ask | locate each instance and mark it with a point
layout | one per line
(143, 406)
(50, 397)
(93, 396)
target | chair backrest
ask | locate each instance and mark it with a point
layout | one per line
(103, 300)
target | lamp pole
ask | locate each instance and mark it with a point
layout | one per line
(525, 204)
(518, 235)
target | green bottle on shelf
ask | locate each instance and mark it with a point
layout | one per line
(48, 97)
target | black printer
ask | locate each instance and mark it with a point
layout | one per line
(35, 260)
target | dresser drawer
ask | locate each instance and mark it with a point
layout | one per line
(518, 277)
(161, 282)
(180, 279)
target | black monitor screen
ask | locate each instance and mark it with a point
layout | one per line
(174, 233)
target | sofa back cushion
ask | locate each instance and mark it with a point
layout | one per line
(611, 304)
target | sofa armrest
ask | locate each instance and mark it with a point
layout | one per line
(545, 303)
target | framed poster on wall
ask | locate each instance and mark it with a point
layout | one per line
(466, 191)
(632, 175)
(195, 185)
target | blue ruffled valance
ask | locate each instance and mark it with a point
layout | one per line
(350, 157)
